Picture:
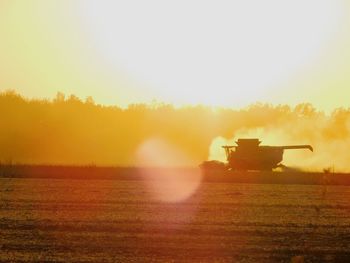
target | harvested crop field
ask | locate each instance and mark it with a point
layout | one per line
(60, 220)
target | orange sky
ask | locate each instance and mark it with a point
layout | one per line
(228, 53)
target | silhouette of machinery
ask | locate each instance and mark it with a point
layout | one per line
(250, 155)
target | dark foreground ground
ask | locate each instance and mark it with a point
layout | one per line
(65, 220)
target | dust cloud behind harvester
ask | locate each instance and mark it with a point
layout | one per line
(329, 136)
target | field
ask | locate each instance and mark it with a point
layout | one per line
(60, 220)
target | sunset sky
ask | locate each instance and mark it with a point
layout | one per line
(227, 53)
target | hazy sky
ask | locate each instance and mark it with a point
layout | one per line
(228, 53)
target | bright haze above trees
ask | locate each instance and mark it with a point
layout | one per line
(216, 52)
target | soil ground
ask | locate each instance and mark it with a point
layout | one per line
(65, 220)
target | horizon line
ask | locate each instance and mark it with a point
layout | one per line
(155, 103)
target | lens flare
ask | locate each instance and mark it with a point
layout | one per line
(166, 183)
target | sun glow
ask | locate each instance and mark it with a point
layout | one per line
(212, 52)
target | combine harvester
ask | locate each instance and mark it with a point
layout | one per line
(249, 155)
